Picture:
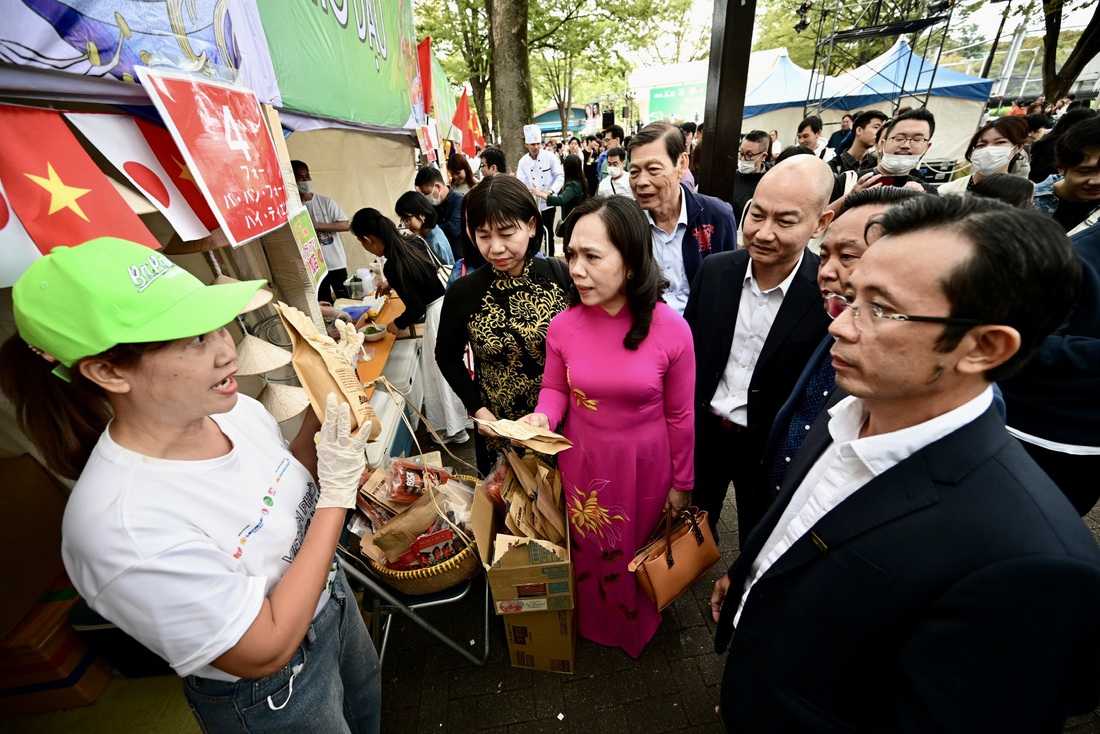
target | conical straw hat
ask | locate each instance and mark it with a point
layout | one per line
(262, 297)
(283, 401)
(255, 356)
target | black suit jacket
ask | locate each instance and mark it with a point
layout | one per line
(798, 328)
(957, 591)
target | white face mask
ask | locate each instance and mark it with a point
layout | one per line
(991, 159)
(899, 165)
(435, 200)
(305, 188)
(744, 167)
(615, 171)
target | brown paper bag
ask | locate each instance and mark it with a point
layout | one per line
(398, 534)
(322, 369)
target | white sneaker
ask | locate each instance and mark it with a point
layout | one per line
(458, 438)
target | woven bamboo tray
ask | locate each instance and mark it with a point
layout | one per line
(450, 572)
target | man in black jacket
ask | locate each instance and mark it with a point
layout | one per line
(918, 572)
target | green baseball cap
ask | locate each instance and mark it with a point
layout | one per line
(80, 301)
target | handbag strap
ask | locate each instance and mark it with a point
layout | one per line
(690, 516)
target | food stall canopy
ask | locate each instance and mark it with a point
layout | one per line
(349, 62)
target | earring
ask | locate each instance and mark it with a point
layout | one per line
(630, 276)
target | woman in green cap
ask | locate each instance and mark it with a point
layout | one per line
(193, 526)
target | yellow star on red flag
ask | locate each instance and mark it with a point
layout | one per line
(61, 196)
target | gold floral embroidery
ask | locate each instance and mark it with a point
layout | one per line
(583, 401)
(508, 336)
(589, 519)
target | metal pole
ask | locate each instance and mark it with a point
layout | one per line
(1027, 77)
(996, 40)
(1010, 60)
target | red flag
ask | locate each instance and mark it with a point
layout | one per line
(475, 126)
(168, 153)
(424, 58)
(55, 189)
(461, 122)
(118, 138)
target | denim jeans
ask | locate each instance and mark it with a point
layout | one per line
(333, 683)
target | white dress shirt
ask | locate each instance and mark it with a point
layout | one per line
(845, 466)
(668, 250)
(755, 316)
(543, 173)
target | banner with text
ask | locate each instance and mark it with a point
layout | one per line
(344, 59)
(221, 131)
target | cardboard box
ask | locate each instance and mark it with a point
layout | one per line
(531, 576)
(541, 640)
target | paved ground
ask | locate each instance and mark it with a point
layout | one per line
(672, 687)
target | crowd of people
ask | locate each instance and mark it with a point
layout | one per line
(900, 381)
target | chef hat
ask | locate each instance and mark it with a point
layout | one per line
(531, 134)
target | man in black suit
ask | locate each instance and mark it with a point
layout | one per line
(756, 317)
(918, 571)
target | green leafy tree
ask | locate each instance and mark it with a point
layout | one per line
(460, 39)
(1059, 77)
(778, 19)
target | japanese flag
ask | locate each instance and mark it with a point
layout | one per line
(118, 138)
(17, 249)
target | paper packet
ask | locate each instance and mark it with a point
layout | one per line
(322, 368)
(538, 439)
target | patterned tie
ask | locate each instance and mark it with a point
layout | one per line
(821, 384)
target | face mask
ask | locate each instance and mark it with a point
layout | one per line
(435, 200)
(992, 159)
(744, 167)
(305, 188)
(899, 165)
(615, 171)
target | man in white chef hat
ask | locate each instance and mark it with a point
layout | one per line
(541, 170)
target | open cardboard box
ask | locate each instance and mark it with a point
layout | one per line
(530, 576)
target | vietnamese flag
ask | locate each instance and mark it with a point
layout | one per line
(475, 125)
(168, 153)
(466, 121)
(424, 60)
(54, 187)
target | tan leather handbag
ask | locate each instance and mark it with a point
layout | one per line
(667, 566)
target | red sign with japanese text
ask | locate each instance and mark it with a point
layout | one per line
(221, 131)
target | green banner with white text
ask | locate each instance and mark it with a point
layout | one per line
(347, 59)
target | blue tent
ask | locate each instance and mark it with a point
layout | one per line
(785, 85)
(902, 73)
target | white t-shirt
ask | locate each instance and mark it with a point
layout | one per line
(181, 554)
(323, 210)
(617, 187)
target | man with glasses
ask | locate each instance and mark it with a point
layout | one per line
(918, 571)
(902, 143)
(492, 162)
(844, 245)
(752, 162)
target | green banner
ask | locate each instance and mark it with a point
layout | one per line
(348, 59)
(681, 102)
(443, 97)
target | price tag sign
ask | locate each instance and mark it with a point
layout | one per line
(308, 245)
(221, 131)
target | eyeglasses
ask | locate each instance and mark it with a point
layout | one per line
(747, 156)
(836, 304)
(916, 139)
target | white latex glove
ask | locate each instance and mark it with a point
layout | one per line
(350, 342)
(341, 457)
